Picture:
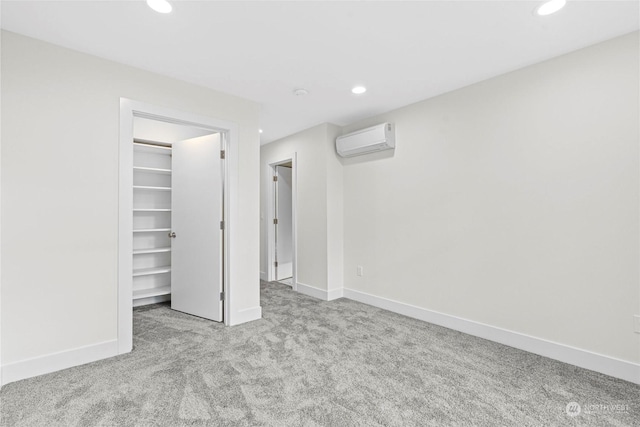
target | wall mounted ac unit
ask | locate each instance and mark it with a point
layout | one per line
(369, 140)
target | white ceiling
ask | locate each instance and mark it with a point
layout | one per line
(402, 51)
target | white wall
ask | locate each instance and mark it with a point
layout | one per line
(512, 202)
(1, 34)
(60, 124)
(319, 204)
(335, 214)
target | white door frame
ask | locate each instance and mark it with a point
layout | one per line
(271, 235)
(128, 110)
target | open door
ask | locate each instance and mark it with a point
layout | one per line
(284, 223)
(196, 210)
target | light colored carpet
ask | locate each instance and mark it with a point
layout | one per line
(311, 363)
(287, 281)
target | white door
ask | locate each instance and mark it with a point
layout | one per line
(196, 212)
(284, 226)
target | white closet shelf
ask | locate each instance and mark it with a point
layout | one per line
(153, 292)
(151, 148)
(146, 187)
(150, 271)
(151, 251)
(152, 170)
(151, 230)
(152, 210)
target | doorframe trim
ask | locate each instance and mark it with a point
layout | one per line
(271, 168)
(128, 110)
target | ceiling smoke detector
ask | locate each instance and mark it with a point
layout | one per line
(300, 92)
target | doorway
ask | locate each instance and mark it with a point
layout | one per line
(161, 200)
(282, 222)
(173, 214)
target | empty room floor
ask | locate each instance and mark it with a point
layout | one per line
(310, 362)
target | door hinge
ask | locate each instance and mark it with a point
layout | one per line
(221, 296)
(275, 177)
(221, 225)
(275, 264)
(275, 221)
(222, 154)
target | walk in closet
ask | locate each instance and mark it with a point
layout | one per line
(178, 219)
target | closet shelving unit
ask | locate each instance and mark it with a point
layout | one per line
(151, 222)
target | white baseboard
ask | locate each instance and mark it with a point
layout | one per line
(335, 294)
(607, 365)
(57, 361)
(263, 276)
(312, 291)
(246, 315)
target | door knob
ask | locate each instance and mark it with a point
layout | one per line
(172, 234)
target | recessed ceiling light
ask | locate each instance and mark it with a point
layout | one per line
(260, 131)
(552, 6)
(359, 90)
(300, 92)
(160, 6)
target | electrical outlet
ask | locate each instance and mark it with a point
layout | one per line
(636, 323)
(360, 271)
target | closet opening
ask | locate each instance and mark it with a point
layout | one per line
(173, 215)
